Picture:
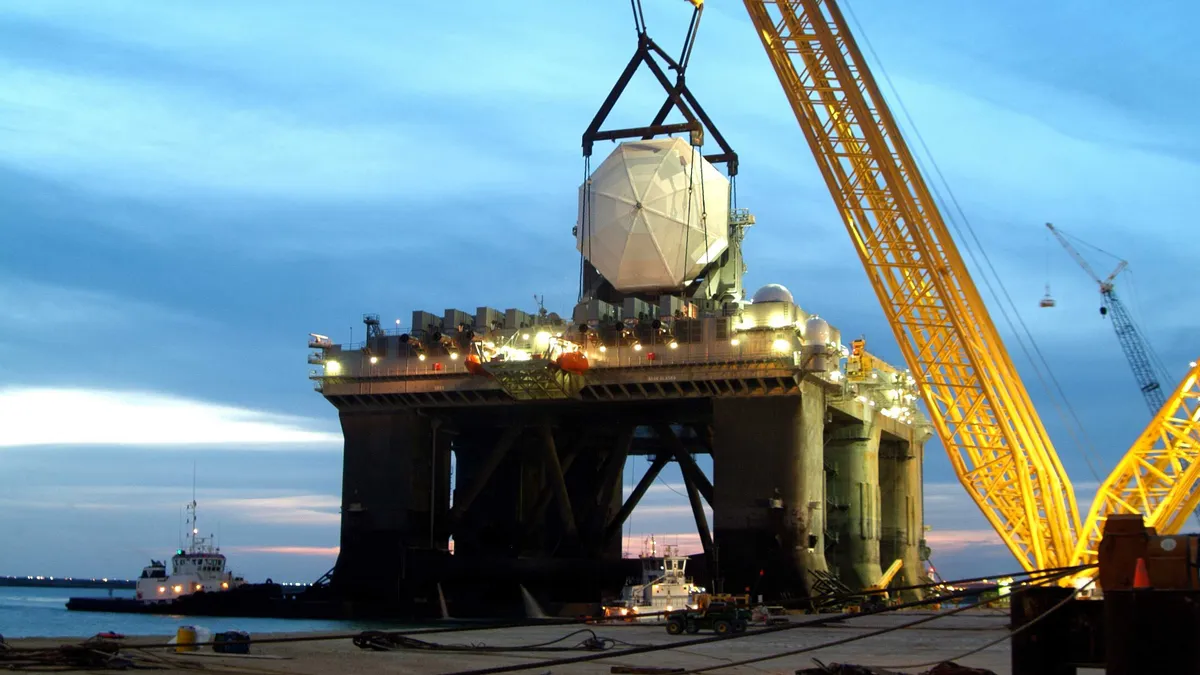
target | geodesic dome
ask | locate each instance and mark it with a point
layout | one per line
(642, 226)
(773, 293)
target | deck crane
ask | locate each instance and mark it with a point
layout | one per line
(1136, 350)
(979, 407)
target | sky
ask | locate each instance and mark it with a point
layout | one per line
(187, 194)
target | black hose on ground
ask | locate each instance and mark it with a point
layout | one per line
(869, 634)
(833, 618)
(347, 636)
(385, 641)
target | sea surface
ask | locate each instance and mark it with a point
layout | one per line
(42, 612)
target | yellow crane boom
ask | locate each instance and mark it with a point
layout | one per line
(1160, 475)
(980, 409)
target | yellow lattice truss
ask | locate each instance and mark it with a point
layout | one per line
(979, 407)
(1158, 476)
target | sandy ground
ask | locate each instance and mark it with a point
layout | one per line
(943, 639)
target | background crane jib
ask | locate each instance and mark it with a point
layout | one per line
(1158, 476)
(1137, 350)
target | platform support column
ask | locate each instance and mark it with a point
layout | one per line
(902, 511)
(395, 485)
(768, 491)
(853, 453)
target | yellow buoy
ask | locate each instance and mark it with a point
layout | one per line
(185, 639)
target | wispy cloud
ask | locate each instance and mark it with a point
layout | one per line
(50, 416)
(659, 489)
(956, 523)
(290, 510)
(664, 510)
(685, 543)
(147, 139)
(947, 541)
(68, 504)
(27, 305)
(322, 551)
(246, 505)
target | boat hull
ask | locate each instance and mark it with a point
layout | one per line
(255, 600)
(260, 607)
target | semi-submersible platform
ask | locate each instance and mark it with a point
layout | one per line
(816, 447)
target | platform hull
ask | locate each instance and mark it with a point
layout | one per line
(537, 501)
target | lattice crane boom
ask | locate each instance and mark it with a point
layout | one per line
(1137, 352)
(1160, 475)
(981, 411)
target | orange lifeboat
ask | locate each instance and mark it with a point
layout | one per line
(473, 365)
(573, 362)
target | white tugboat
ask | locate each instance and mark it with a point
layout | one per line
(201, 567)
(664, 586)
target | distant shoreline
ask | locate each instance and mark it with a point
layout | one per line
(67, 583)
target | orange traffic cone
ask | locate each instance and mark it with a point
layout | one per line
(1141, 579)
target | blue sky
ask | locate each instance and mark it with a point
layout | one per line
(188, 193)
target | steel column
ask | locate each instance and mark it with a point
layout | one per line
(463, 501)
(618, 521)
(701, 522)
(548, 493)
(557, 482)
(687, 465)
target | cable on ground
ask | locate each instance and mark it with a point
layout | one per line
(92, 654)
(833, 618)
(326, 637)
(1008, 635)
(833, 598)
(390, 641)
(869, 634)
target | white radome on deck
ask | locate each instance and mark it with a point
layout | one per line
(644, 230)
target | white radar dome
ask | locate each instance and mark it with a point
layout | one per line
(643, 227)
(772, 293)
(817, 331)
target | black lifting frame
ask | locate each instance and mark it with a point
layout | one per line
(678, 97)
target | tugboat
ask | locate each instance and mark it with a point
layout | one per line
(664, 587)
(200, 568)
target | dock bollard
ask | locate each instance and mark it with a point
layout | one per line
(185, 639)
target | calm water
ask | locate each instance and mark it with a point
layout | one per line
(42, 612)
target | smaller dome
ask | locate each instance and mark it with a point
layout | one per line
(772, 293)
